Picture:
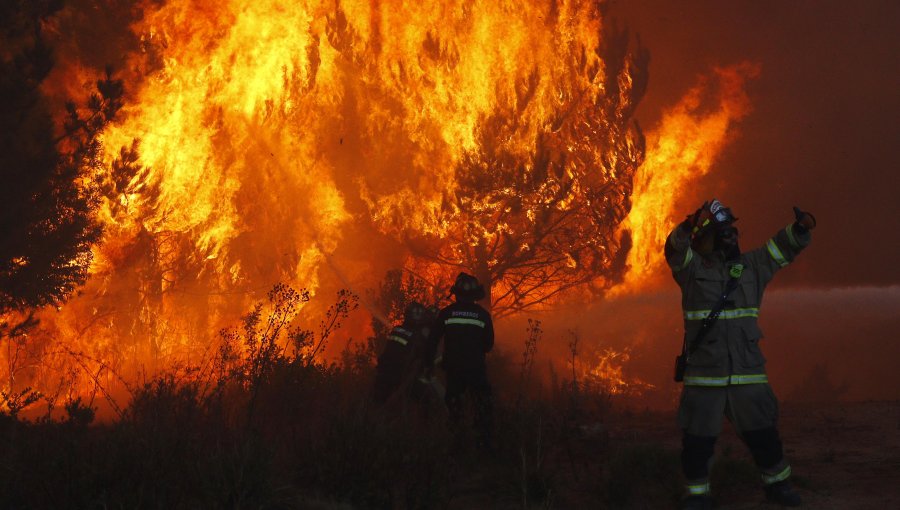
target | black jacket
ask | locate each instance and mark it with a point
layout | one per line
(468, 334)
(400, 351)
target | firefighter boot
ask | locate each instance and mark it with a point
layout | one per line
(699, 502)
(783, 493)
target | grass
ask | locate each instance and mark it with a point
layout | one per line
(270, 427)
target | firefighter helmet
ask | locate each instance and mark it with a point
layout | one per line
(467, 287)
(415, 313)
(712, 218)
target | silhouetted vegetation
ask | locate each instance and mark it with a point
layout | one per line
(52, 172)
(267, 424)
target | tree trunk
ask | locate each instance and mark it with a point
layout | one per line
(483, 273)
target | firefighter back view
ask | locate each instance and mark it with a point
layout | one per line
(400, 360)
(721, 366)
(468, 334)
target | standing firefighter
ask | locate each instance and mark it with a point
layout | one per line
(721, 364)
(401, 359)
(468, 334)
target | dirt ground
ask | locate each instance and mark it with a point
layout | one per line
(843, 457)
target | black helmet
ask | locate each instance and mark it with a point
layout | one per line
(415, 313)
(467, 287)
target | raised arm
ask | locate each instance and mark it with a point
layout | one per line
(785, 245)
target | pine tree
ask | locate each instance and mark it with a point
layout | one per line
(536, 222)
(49, 169)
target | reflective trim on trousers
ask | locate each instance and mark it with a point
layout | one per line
(399, 339)
(697, 489)
(692, 380)
(783, 475)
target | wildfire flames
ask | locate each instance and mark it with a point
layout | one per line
(316, 143)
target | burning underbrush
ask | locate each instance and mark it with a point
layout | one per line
(263, 422)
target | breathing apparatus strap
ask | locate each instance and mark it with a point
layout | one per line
(733, 283)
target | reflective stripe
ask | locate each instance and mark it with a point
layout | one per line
(693, 380)
(399, 339)
(775, 252)
(749, 379)
(690, 380)
(737, 313)
(458, 320)
(783, 475)
(687, 259)
(698, 489)
(790, 234)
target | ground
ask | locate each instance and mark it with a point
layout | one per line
(844, 457)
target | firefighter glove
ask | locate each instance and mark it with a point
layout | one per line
(805, 220)
(692, 221)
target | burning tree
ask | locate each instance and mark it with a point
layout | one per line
(539, 200)
(497, 137)
(48, 223)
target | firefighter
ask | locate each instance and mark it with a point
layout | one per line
(468, 334)
(400, 360)
(725, 371)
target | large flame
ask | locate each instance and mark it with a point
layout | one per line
(680, 150)
(262, 138)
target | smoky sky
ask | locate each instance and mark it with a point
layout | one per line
(823, 133)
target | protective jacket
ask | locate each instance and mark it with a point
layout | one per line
(397, 362)
(468, 334)
(400, 350)
(729, 353)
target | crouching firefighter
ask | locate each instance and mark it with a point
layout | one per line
(721, 365)
(401, 359)
(468, 334)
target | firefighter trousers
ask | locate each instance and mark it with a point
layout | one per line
(475, 383)
(751, 408)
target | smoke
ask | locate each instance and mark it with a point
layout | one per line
(838, 344)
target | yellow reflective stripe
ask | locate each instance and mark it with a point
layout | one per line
(749, 379)
(783, 475)
(693, 380)
(790, 234)
(696, 315)
(737, 313)
(688, 256)
(459, 320)
(698, 489)
(399, 339)
(775, 252)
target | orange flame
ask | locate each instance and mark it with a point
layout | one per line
(269, 137)
(607, 374)
(680, 151)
